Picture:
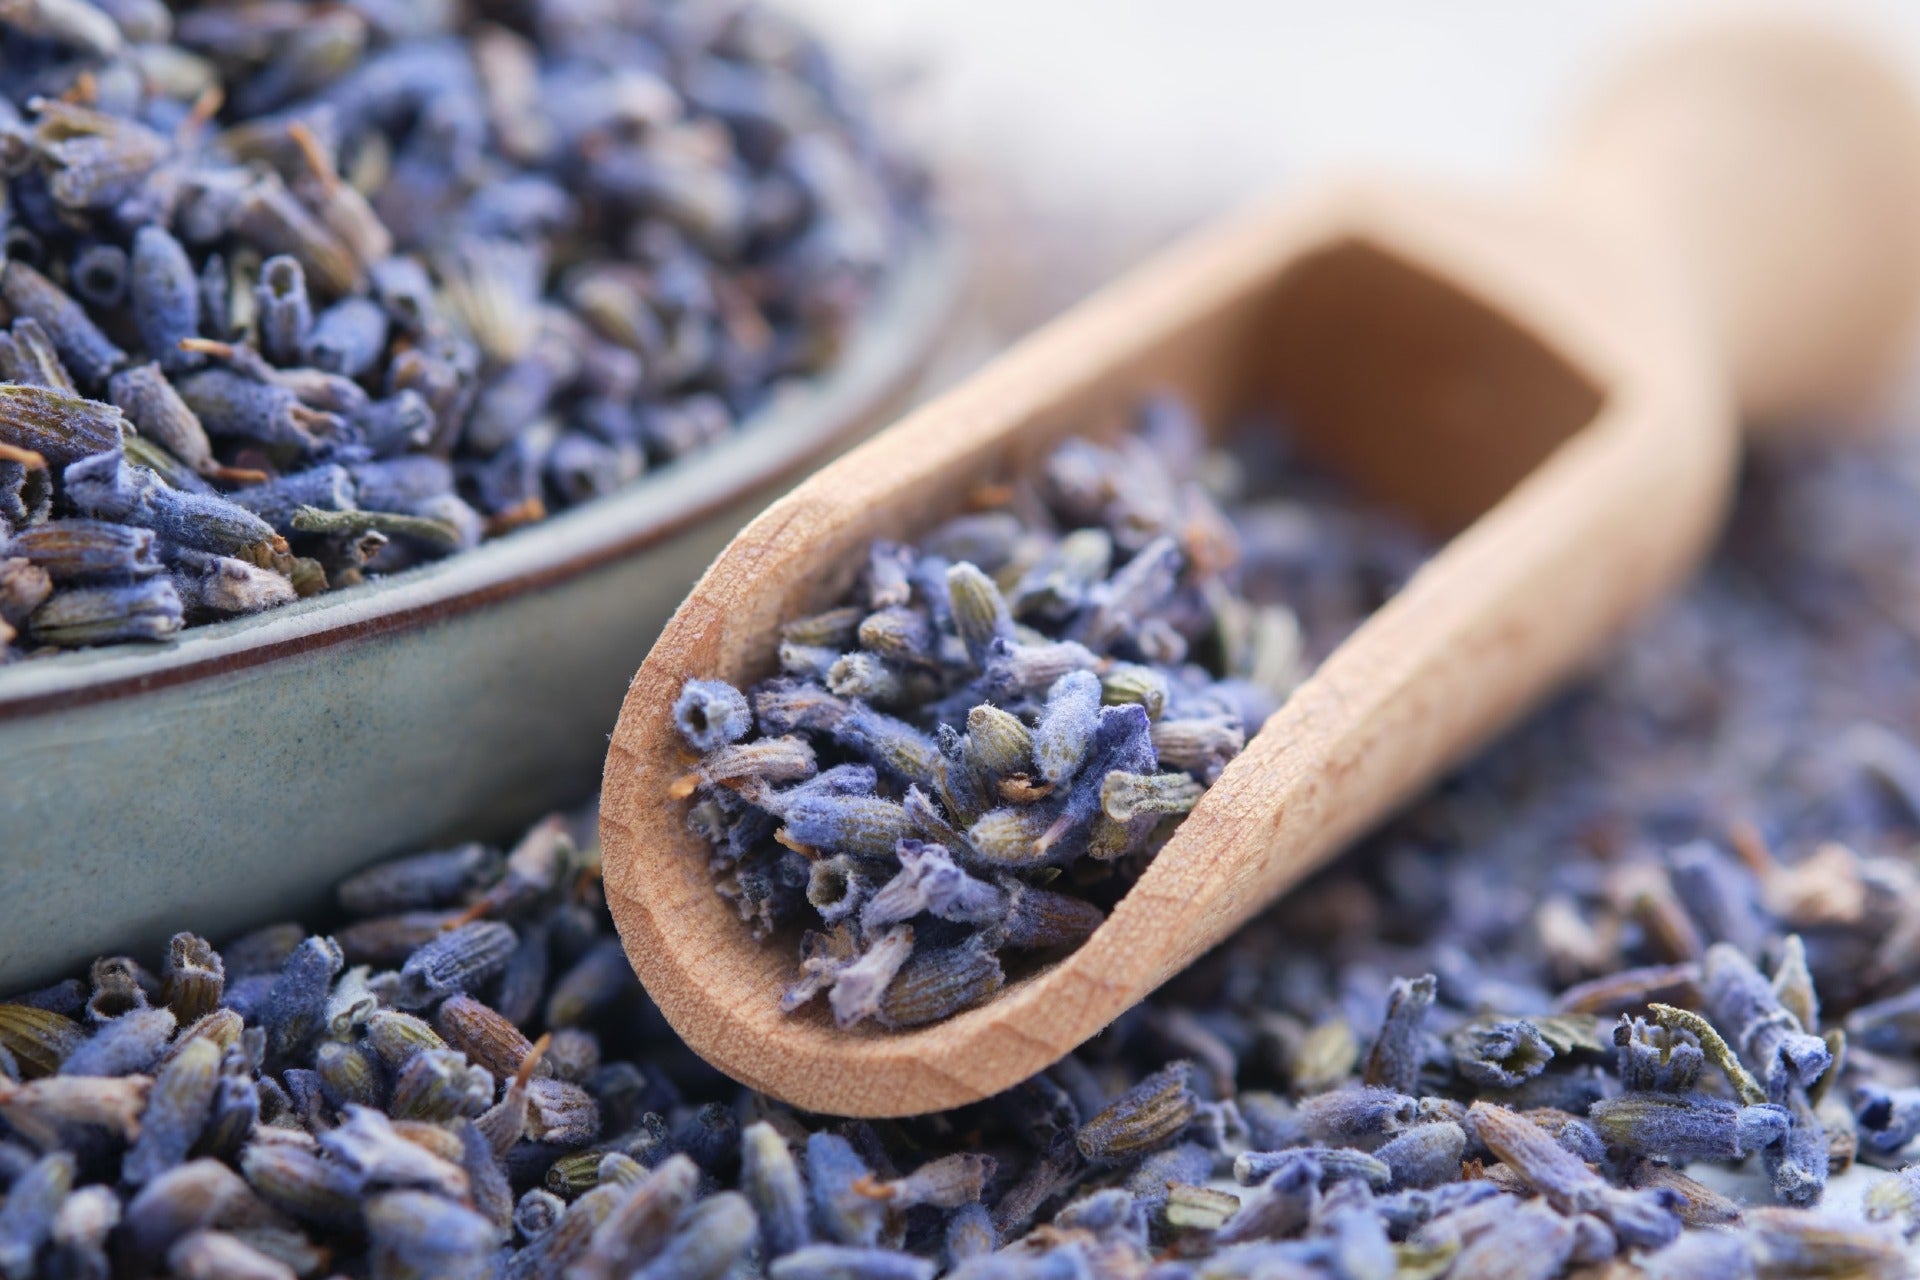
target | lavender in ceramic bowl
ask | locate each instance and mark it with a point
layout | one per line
(297, 294)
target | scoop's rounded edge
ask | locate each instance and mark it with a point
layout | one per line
(891, 344)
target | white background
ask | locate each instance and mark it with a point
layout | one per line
(1204, 99)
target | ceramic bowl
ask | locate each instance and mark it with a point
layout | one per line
(230, 777)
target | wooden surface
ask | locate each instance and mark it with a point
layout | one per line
(1538, 372)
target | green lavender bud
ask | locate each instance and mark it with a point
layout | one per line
(1127, 796)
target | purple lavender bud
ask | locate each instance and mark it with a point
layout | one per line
(177, 1111)
(401, 423)
(71, 550)
(835, 1173)
(232, 405)
(1768, 1037)
(1798, 1165)
(82, 346)
(99, 275)
(405, 290)
(828, 1261)
(296, 1009)
(1425, 1155)
(1532, 1238)
(127, 1045)
(1501, 1054)
(283, 309)
(1885, 1120)
(711, 713)
(1720, 895)
(1394, 1061)
(106, 487)
(418, 1233)
(347, 338)
(1688, 1126)
(27, 1217)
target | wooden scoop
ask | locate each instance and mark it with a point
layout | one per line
(1555, 381)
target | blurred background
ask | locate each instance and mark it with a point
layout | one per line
(1080, 133)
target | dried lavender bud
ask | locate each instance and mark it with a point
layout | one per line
(1770, 1039)
(1141, 1119)
(711, 713)
(40, 1109)
(166, 297)
(1394, 1061)
(1356, 1112)
(706, 1242)
(27, 356)
(1425, 1155)
(843, 1262)
(1799, 1163)
(599, 978)
(859, 982)
(1784, 1242)
(217, 1255)
(62, 429)
(1327, 1166)
(1688, 1126)
(771, 1180)
(102, 615)
(438, 879)
(82, 346)
(99, 275)
(836, 1177)
(27, 1217)
(938, 983)
(439, 1084)
(296, 1010)
(347, 338)
(1531, 1241)
(415, 1233)
(190, 1196)
(176, 1113)
(1500, 1054)
(641, 1224)
(1065, 729)
(536, 1213)
(81, 1227)
(283, 309)
(125, 1045)
(1037, 919)
(456, 961)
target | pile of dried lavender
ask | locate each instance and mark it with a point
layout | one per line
(1508, 1038)
(299, 292)
(982, 747)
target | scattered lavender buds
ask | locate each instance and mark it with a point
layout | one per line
(968, 761)
(295, 293)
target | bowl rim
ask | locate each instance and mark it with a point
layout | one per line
(891, 347)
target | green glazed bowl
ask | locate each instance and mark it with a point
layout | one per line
(230, 777)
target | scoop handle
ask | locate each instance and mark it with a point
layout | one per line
(1778, 167)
